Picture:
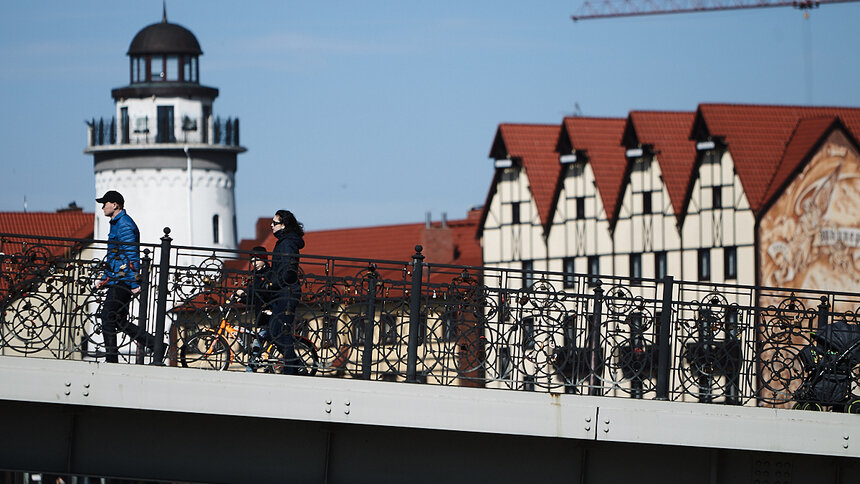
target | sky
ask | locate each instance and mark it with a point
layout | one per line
(379, 112)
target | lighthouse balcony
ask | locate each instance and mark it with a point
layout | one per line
(107, 134)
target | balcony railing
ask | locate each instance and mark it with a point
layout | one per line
(447, 325)
(214, 131)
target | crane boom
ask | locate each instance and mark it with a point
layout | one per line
(631, 8)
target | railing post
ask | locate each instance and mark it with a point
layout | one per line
(161, 298)
(595, 359)
(369, 323)
(143, 307)
(823, 313)
(415, 323)
(663, 335)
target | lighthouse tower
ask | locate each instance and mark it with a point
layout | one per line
(164, 150)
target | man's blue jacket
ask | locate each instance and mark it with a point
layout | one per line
(123, 260)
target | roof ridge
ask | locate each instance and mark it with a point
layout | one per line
(788, 106)
(529, 124)
(595, 117)
(400, 225)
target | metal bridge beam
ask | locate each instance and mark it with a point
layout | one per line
(156, 423)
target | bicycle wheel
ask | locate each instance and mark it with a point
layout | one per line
(205, 349)
(309, 361)
(272, 361)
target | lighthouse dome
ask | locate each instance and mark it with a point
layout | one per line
(164, 38)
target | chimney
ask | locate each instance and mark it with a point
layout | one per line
(73, 207)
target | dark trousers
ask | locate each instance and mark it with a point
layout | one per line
(115, 318)
(281, 328)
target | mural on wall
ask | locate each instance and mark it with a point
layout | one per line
(810, 238)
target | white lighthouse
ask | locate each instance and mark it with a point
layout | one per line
(165, 151)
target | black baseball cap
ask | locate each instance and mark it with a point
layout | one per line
(112, 196)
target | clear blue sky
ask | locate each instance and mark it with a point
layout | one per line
(365, 113)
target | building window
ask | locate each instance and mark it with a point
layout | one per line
(646, 202)
(189, 69)
(580, 208)
(124, 126)
(569, 328)
(704, 264)
(593, 269)
(636, 268)
(141, 124)
(359, 324)
(660, 264)
(528, 274)
(529, 383)
(506, 366)
(389, 329)
(569, 264)
(527, 327)
(165, 125)
(450, 328)
(171, 68)
(157, 68)
(515, 212)
(329, 332)
(216, 229)
(717, 197)
(730, 261)
(732, 321)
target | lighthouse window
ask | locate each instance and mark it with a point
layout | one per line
(187, 69)
(157, 68)
(138, 69)
(171, 70)
(215, 229)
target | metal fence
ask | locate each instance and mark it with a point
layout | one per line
(442, 324)
(105, 132)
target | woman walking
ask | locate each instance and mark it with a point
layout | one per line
(284, 284)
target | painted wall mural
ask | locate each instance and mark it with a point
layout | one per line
(810, 238)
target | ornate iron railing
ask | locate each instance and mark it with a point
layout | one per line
(106, 132)
(448, 325)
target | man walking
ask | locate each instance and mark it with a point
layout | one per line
(123, 263)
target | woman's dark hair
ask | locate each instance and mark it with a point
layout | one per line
(290, 222)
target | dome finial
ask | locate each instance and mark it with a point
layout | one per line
(164, 11)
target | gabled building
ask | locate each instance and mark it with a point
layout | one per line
(517, 216)
(799, 171)
(650, 208)
(742, 194)
(592, 172)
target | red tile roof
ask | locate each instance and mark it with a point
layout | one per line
(455, 244)
(70, 224)
(600, 139)
(534, 145)
(668, 134)
(806, 136)
(761, 140)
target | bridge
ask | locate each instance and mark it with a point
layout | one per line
(417, 372)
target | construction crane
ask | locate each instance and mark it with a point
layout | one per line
(630, 8)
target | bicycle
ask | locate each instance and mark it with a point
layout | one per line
(214, 348)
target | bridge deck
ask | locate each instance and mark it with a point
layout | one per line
(102, 419)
